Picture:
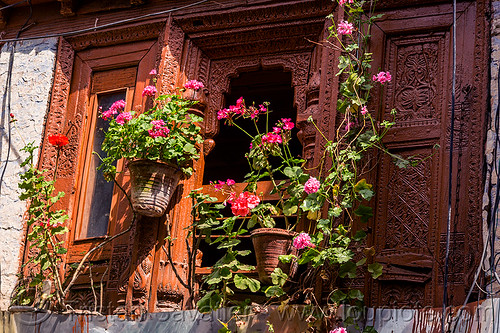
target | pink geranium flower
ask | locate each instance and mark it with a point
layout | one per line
(343, 2)
(339, 330)
(159, 129)
(382, 77)
(230, 182)
(113, 109)
(124, 117)
(153, 72)
(244, 203)
(345, 28)
(348, 126)
(272, 138)
(223, 114)
(287, 124)
(193, 84)
(149, 91)
(312, 185)
(364, 110)
(303, 240)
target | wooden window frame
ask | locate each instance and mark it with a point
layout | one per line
(83, 94)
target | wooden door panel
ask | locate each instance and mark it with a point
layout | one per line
(411, 205)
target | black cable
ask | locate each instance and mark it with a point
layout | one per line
(107, 25)
(12, 5)
(450, 169)
(7, 95)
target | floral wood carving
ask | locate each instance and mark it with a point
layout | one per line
(55, 119)
(171, 59)
(116, 36)
(418, 64)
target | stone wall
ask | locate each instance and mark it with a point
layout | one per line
(32, 76)
(492, 148)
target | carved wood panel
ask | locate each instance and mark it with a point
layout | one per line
(411, 205)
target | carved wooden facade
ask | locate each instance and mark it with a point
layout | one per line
(217, 45)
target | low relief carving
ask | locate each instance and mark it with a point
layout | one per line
(403, 295)
(418, 75)
(56, 117)
(117, 36)
(408, 206)
(457, 259)
(170, 65)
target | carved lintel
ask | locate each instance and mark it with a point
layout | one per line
(67, 8)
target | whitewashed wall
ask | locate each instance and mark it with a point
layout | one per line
(32, 76)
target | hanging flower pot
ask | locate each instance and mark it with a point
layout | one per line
(152, 186)
(269, 244)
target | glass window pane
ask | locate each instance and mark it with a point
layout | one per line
(99, 192)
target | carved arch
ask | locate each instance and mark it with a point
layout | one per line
(222, 71)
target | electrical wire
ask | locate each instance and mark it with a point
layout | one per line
(12, 5)
(7, 95)
(450, 169)
(107, 25)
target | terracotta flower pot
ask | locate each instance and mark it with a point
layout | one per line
(152, 186)
(269, 244)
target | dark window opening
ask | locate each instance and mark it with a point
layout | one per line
(227, 160)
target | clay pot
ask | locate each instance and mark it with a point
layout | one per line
(269, 244)
(152, 186)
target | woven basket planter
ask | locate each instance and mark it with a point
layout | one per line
(153, 184)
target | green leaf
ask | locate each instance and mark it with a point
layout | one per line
(287, 258)
(347, 269)
(369, 329)
(289, 208)
(278, 277)
(375, 269)
(244, 282)
(274, 291)
(364, 212)
(230, 243)
(338, 296)
(211, 301)
(361, 262)
(360, 235)
(356, 294)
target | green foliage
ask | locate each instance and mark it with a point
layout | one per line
(131, 140)
(45, 227)
(226, 273)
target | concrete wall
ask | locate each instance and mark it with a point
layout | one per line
(32, 76)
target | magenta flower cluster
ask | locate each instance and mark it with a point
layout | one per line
(345, 28)
(382, 77)
(116, 107)
(193, 84)
(159, 129)
(339, 330)
(302, 241)
(241, 109)
(220, 184)
(149, 91)
(312, 185)
(124, 117)
(279, 132)
(343, 2)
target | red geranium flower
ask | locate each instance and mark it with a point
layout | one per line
(59, 140)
